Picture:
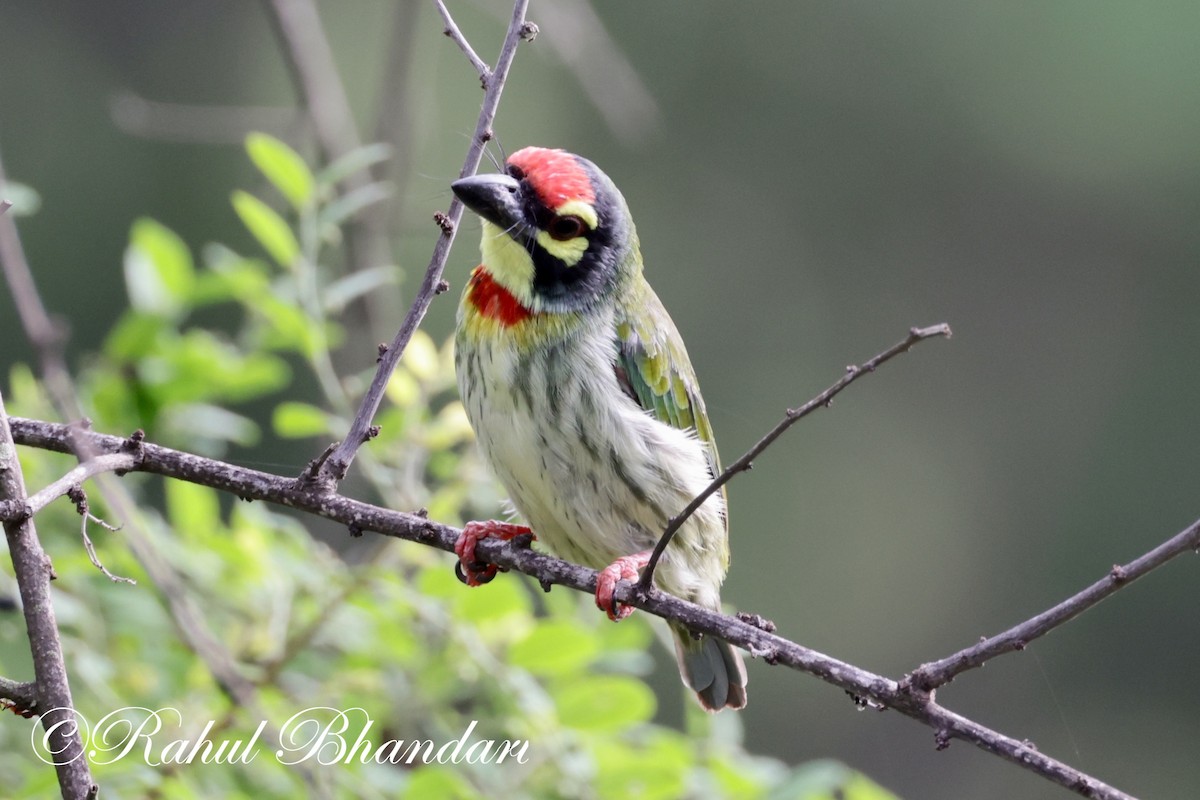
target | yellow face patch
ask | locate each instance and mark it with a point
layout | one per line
(570, 251)
(509, 263)
(578, 208)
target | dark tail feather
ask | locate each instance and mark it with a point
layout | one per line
(712, 668)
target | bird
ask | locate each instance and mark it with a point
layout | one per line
(583, 399)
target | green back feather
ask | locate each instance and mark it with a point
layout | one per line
(653, 367)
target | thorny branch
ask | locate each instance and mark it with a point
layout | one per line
(744, 631)
(793, 415)
(48, 338)
(327, 470)
(33, 571)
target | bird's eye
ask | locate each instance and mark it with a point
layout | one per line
(569, 227)
(515, 172)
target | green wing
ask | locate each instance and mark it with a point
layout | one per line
(652, 366)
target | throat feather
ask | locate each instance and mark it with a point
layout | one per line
(493, 301)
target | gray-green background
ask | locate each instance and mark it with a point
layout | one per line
(809, 181)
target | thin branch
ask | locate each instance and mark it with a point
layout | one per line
(868, 687)
(326, 475)
(930, 676)
(79, 498)
(34, 572)
(117, 462)
(455, 35)
(189, 620)
(794, 415)
(31, 565)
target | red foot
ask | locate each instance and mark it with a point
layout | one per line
(470, 570)
(623, 569)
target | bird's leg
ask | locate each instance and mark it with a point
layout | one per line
(470, 570)
(624, 568)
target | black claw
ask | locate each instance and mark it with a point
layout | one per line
(481, 571)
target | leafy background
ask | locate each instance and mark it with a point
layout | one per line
(809, 181)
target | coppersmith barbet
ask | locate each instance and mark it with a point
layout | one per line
(583, 399)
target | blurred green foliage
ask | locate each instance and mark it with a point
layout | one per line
(386, 632)
(808, 180)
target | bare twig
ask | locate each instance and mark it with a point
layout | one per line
(116, 462)
(335, 466)
(793, 415)
(31, 565)
(878, 690)
(930, 676)
(34, 572)
(452, 31)
(189, 620)
(79, 498)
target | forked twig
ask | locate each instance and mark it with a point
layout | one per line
(454, 34)
(793, 415)
(930, 676)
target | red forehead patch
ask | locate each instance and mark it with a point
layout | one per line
(555, 175)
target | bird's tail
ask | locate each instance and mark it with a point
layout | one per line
(712, 668)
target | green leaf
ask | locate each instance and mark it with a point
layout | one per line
(649, 769)
(358, 159)
(438, 783)
(192, 509)
(421, 356)
(159, 273)
(270, 229)
(449, 428)
(829, 780)
(349, 204)
(501, 598)
(194, 422)
(287, 327)
(604, 703)
(336, 295)
(282, 166)
(294, 420)
(136, 335)
(555, 647)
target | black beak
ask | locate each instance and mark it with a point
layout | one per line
(496, 198)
